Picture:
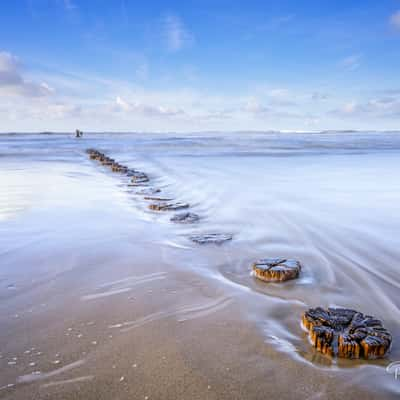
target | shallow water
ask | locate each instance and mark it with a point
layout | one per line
(331, 200)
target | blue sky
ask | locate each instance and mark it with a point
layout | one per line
(199, 65)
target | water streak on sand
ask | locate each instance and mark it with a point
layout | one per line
(8, 386)
(189, 312)
(44, 375)
(133, 278)
(105, 294)
(67, 381)
(198, 312)
(135, 281)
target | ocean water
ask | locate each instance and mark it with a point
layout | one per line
(330, 200)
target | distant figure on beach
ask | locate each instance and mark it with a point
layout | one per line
(78, 133)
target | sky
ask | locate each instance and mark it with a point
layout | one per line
(205, 65)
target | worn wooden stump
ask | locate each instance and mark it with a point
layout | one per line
(206, 238)
(346, 333)
(107, 161)
(139, 177)
(116, 167)
(153, 198)
(167, 206)
(185, 218)
(140, 180)
(91, 151)
(276, 269)
(148, 191)
(138, 184)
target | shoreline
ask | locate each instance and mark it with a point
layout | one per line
(189, 133)
(170, 326)
(96, 284)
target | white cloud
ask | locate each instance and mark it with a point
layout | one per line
(60, 110)
(8, 69)
(384, 107)
(395, 20)
(146, 110)
(13, 83)
(214, 115)
(391, 92)
(279, 93)
(93, 103)
(319, 96)
(124, 105)
(350, 108)
(281, 97)
(176, 35)
(57, 110)
(255, 107)
(351, 62)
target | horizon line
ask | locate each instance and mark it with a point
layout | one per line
(251, 131)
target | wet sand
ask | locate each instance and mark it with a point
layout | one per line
(171, 335)
(101, 300)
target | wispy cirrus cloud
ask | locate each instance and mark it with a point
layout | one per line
(394, 20)
(70, 5)
(13, 83)
(351, 62)
(277, 22)
(177, 36)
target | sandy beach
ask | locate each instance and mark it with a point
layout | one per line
(101, 298)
